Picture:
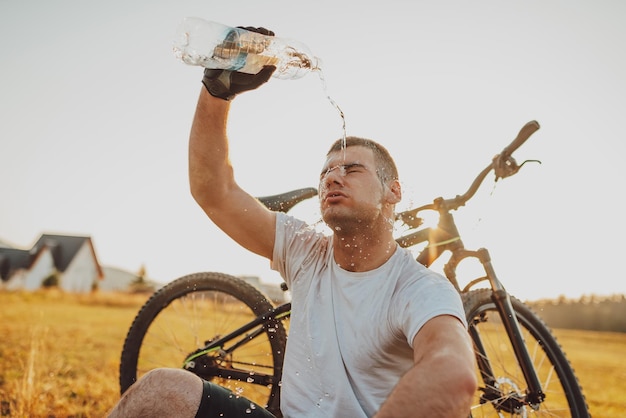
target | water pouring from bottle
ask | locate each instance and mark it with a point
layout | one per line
(217, 46)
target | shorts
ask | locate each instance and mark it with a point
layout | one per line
(219, 402)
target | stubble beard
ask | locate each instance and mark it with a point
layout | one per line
(345, 222)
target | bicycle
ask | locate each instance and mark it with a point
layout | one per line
(225, 330)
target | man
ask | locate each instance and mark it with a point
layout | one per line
(385, 336)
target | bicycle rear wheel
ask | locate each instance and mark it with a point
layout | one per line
(502, 387)
(187, 314)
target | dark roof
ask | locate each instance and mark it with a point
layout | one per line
(62, 247)
(12, 259)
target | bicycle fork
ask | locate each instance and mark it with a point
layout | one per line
(504, 306)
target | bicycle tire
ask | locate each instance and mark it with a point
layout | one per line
(563, 394)
(182, 316)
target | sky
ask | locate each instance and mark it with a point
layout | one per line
(95, 115)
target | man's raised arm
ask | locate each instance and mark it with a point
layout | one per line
(211, 176)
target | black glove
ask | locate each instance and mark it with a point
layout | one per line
(227, 84)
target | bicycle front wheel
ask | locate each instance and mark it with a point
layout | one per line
(502, 387)
(190, 313)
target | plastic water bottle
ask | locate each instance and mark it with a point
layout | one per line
(213, 45)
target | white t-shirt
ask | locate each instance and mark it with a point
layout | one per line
(350, 333)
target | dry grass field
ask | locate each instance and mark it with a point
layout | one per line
(59, 356)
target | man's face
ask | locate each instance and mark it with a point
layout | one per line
(350, 190)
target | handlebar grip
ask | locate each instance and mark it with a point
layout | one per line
(524, 133)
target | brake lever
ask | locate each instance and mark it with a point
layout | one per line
(529, 161)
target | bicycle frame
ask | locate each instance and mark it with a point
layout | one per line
(196, 362)
(445, 237)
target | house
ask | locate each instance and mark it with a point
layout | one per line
(116, 279)
(70, 262)
(119, 280)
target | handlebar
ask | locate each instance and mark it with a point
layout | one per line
(524, 133)
(503, 164)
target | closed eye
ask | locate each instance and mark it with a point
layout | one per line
(353, 168)
(344, 169)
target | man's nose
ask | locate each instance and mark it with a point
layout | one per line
(333, 175)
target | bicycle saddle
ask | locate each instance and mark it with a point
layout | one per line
(285, 201)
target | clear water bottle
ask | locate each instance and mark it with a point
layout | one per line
(213, 45)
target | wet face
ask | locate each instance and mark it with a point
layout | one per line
(351, 192)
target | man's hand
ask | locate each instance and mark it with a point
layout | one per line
(227, 84)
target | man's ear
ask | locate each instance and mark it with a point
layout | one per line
(393, 192)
